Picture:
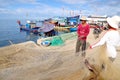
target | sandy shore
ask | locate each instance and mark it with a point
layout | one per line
(28, 61)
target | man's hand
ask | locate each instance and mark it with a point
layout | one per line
(81, 37)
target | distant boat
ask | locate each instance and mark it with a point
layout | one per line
(66, 29)
(73, 20)
(30, 26)
(73, 29)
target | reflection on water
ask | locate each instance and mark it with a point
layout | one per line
(32, 36)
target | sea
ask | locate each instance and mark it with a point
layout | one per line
(10, 33)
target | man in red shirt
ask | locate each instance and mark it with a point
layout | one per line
(82, 32)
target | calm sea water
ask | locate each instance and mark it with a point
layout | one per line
(10, 32)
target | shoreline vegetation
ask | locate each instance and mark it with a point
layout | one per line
(28, 61)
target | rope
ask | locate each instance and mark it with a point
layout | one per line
(10, 42)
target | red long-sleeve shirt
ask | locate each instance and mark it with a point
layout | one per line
(83, 31)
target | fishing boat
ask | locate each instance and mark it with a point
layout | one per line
(30, 26)
(66, 29)
(72, 21)
(73, 29)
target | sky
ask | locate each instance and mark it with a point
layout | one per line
(39, 9)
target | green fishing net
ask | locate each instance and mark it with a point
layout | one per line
(60, 40)
(56, 41)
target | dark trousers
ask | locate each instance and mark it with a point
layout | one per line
(81, 45)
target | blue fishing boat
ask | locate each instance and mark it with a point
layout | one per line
(73, 29)
(73, 20)
(30, 26)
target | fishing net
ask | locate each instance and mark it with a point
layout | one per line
(56, 41)
(60, 40)
(68, 36)
(56, 62)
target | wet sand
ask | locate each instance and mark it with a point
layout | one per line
(28, 61)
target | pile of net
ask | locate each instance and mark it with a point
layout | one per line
(57, 40)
